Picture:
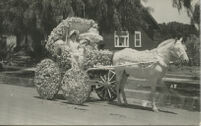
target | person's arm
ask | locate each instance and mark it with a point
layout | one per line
(66, 36)
(67, 41)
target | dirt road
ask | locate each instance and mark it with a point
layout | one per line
(21, 105)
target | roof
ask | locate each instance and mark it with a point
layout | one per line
(149, 18)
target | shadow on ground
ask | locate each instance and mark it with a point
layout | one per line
(59, 97)
(132, 106)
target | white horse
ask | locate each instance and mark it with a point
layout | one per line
(150, 65)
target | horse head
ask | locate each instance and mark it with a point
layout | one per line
(179, 50)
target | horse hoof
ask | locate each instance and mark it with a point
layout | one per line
(119, 103)
(144, 103)
(155, 109)
(125, 103)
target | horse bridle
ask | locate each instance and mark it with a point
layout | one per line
(178, 56)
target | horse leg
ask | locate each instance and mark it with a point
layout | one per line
(123, 83)
(124, 97)
(118, 92)
(153, 94)
(163, 90)
(118, 87)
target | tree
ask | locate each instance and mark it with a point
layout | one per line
(193, 43)
(175, 29)
(33, 20)
(193, 49)
(192, 11)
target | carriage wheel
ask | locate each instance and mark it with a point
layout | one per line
(106, 87)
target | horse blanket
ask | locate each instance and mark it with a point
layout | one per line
(129, 55)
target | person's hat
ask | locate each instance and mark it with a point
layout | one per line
(76, 32)
(92, 37)
(85, 41)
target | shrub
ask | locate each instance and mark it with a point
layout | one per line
(193, 50)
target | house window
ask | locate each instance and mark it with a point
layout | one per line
(121, 39)
(138, 41)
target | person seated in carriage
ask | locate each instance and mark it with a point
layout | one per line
(79, 43)
(73, 42)
(76, 48)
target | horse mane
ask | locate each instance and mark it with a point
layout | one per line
(166, 42)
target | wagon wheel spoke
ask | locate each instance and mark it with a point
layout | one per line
(99, 86)
(100, 91)
(112, 90)
(108, 76)
(112, 82)
(103, 79)
(100, 83)
(112, 72)
(105, 93)
(113, 75)
(108, 90)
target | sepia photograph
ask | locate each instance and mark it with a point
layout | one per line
(100, 62)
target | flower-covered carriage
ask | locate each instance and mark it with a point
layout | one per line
(60, 73)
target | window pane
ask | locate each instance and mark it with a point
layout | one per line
(137, 42)
(116, 39)
(126, 41)
(121, 41)
(137, 39)
(137, 36)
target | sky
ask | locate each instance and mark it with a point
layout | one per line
(163, 11)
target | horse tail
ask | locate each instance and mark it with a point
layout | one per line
(115, 57)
